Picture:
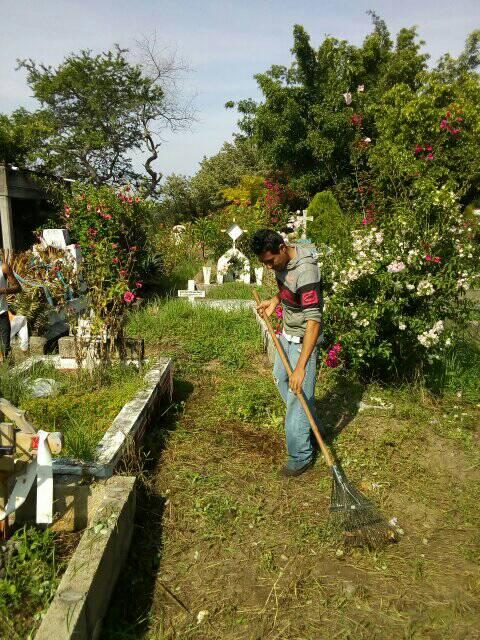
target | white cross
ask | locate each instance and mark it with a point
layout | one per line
(303, 220)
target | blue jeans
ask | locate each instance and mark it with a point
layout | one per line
(300, 438)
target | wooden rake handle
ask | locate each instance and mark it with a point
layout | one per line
(326, 452)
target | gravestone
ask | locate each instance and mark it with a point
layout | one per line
(226, 262)
(177, 232)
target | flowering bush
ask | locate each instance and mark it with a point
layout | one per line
(110, 227)
(396, 302)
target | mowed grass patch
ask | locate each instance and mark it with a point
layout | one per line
(202, 334)
(241, 553)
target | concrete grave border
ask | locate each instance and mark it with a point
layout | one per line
(129, 426)
(82, 597)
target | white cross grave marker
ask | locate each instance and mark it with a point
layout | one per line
(303, 220)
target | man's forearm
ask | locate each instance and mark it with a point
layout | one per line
(310, 340)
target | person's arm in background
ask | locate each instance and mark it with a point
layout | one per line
(13, 283)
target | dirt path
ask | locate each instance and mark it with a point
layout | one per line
(223, 549)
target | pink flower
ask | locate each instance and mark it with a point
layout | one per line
(123, 272)
(115, 260)
(428, 258)
(418, 149)
(128, 296)
(429, 156)
(337, 347)
(443, 124)
(138, 284)
(454, 131)
(364, 221)
(114, 245)
(279, 311)
(437, 259)
(66, 209)
(107, 216)
(137, 199)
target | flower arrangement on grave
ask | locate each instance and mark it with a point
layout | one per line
(49, 281)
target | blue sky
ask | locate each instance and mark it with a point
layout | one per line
(224, 42)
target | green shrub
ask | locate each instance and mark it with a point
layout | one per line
(330, 226)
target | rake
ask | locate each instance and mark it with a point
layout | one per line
(353, 513)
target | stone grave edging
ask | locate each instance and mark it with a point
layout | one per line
(82, 597)
(128, 426)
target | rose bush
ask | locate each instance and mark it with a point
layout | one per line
(111, 228)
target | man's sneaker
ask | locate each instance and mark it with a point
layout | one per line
(286, 472)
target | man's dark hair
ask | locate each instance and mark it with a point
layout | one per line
(266, 240)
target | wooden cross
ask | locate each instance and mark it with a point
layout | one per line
(303, 220)
(18, 439)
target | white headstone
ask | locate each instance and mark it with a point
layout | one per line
(258, 275)
(226, 259)
(207, 272)
(57, 238)
(75, 253)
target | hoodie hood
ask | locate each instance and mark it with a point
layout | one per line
(306, 254)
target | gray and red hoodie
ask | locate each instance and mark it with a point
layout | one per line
(300, 289)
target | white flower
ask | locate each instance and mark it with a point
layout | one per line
(448, 342)
(202, 615)
(379, 237)
(363, 323)
(425, 288)
(402, 326)
(354, 314)
(396, 266)
(410, 287)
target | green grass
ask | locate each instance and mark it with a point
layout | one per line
(236, 291)
(84, 406)
(218, 530)
(201, 333)
(30, 579)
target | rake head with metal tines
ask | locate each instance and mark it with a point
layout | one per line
(356, 516)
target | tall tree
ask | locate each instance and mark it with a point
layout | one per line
(96, 110)
(301, 126)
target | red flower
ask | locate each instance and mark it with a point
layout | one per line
(128, 296)
(115, 260)
(437, 259)
(356, 120)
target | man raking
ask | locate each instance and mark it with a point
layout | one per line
(299, 292)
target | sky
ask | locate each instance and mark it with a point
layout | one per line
(224, 42)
